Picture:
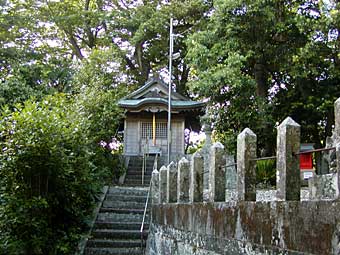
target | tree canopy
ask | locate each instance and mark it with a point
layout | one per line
(259, 61)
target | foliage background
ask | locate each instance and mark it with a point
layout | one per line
(48, 182)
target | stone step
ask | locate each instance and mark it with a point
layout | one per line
(113, 251)
(116, 243)
(140, 164)
(128, 191)
(138, 170)
(148, 174)
(117, 227)
(137, 178)
(117, 234)
(122, 198)
(136, 167)
(120, 225)
(136, 185)
(136, 182)
(119, 217)
(136, 163)
(121, 210)
(138, 175)
(123, 205)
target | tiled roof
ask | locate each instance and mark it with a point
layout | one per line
(134, 103)
(155, 92)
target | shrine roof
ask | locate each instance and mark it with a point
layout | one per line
(155, 92)
(131, 103)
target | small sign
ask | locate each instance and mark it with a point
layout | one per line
(307, 175)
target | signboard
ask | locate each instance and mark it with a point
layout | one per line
(307, 175)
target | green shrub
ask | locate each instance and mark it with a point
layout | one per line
(103, 115)
(266, 173)
(47, 179)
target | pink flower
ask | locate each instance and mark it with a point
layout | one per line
(102, 143)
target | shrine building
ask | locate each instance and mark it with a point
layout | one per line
(146, 119)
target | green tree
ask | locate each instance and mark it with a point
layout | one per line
(141, 35)
(137, 32)
(47, 182)
(35, 78)
(314, 74)
(29, 66)
(247, 60)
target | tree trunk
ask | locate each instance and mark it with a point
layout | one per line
(182, 80)
(90, 36)
(261, 75)
(75, 48)
(329, 123)
(143, 64)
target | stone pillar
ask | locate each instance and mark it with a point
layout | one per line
(196, 178)
(171, 193)
(337, 133)
(337, 191)
(163, 183)
(217, 173)
(155, 187)
(288, 181)
(337, 118)
(230, 179)
(246, 167)
(183, 181)
(206, 163)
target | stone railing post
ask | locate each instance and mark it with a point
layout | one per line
(230, 179)
(155, 187)
(163, 183)
(337, 133)
(196, 178)
(337, 175)
(183, 181)
(217, 173)
(206, 157)
(337, 118)
(246, 167)
(288, 182)
(171, 193)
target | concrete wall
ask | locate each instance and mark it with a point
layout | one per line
(311, 227)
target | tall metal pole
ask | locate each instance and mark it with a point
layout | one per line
(170, 85)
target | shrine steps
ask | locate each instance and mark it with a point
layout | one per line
(134, 172)
(117, 227)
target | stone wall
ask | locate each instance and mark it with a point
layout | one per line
(246, 228)
(210, 205)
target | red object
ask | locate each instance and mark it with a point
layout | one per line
(306, 161)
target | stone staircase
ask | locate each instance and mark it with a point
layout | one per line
(134, 172)
(117, 227)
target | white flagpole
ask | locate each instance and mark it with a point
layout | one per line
(170, 89)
